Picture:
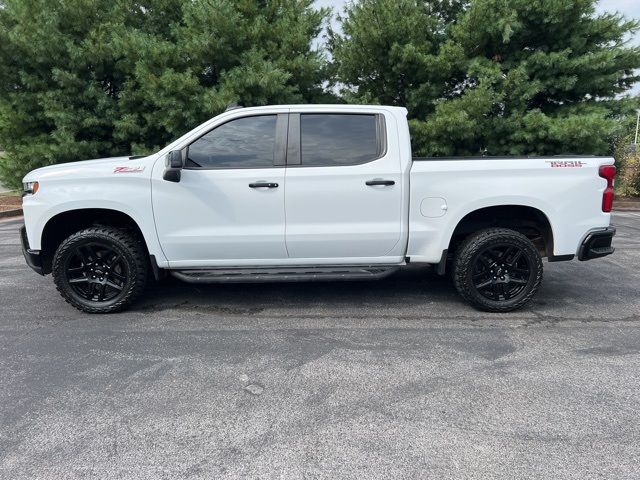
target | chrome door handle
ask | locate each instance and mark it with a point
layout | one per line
(263, 185)
(385, 183)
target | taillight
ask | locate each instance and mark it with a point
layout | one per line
(608, 172)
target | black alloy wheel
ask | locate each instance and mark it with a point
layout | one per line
(501, 272)
(96, 272)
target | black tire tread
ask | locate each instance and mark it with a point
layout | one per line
(464, 258)
(129, 242)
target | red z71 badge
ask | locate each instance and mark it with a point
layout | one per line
(128, 169)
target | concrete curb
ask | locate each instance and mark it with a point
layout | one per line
(627, 207)
(626, 204)
(11, 213)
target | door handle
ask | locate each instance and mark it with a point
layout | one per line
(386, 183)
(263, 185)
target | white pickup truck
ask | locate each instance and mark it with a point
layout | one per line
(311, 192)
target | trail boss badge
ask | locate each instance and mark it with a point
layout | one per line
(566, 163)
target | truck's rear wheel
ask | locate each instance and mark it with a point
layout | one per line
(497, 270)
(100, 269)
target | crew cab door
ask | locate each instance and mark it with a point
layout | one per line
(344, 190)
(228, 207)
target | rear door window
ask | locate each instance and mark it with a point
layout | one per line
(340, 139)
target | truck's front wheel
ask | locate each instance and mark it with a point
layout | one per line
(497, 270)
(100, 269)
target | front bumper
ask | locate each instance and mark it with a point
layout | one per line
(33, 257)
(597, 244)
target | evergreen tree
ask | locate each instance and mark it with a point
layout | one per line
(389, 52)
(520, 76)
(58, 85)
(252, 52)
(90, 78)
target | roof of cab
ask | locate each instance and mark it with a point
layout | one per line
(319, 107)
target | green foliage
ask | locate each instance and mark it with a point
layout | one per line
(389, 52)
(628, 176)
(90, 78)
(518, 77)
(627, 157)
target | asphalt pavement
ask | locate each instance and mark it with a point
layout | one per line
(391, 379)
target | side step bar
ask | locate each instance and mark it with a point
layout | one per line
(285, 274)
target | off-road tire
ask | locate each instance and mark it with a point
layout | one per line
(132, 252)
(467, 256)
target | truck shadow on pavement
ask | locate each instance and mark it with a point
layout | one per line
(409, 288)
(572, 290)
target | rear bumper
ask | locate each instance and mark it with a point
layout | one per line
(597, 244)
(33, 257)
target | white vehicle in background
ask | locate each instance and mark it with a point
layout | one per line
(311, 192)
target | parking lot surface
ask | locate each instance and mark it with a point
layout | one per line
(390, 379)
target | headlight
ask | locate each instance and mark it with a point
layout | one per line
(29, 188)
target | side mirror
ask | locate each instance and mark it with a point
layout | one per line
(173, 166)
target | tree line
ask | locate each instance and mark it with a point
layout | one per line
(92, 78)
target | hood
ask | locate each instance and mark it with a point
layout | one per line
(96, 167)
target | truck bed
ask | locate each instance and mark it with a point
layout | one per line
(568, 189)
